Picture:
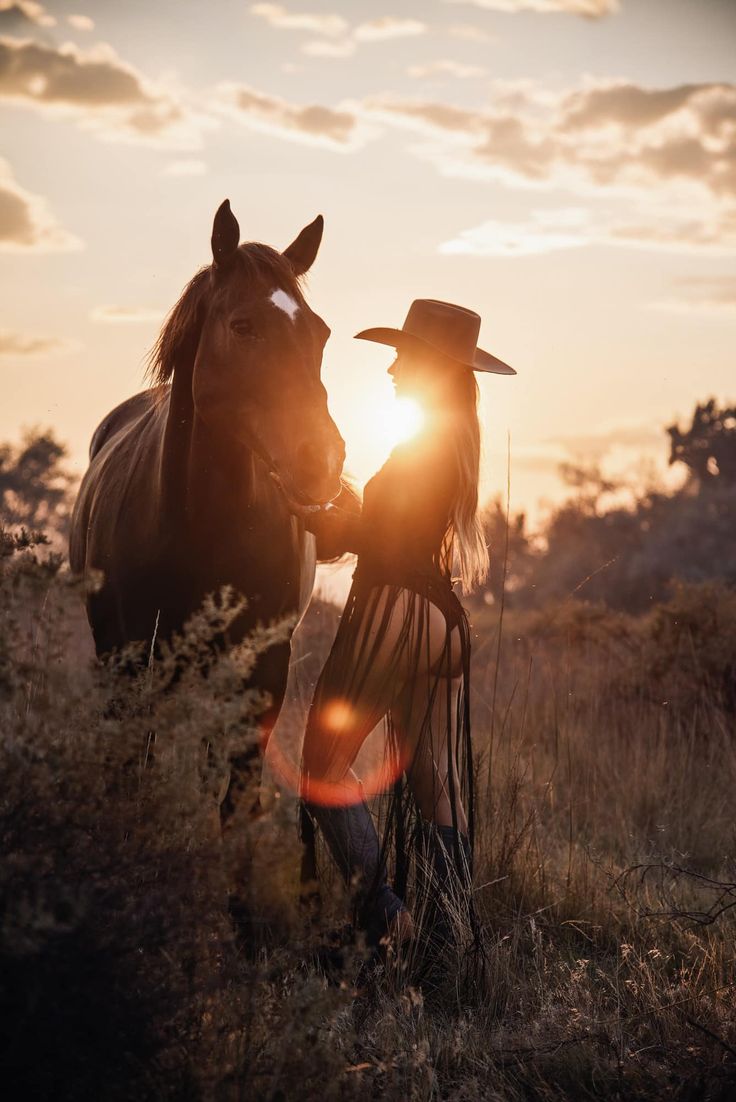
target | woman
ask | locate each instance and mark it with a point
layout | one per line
(402, 650)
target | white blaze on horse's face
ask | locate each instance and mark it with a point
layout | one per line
(285, 302)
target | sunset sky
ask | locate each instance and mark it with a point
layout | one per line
(565, 167)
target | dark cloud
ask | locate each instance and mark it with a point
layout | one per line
(443, 116)
(310, 121)
(17, 223)
(626, 104)
(613, 134)
(95, 82)
(18, 15)
(25, 223)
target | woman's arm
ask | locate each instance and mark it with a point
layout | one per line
(337, 527)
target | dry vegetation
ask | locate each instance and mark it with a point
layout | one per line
(604, 744)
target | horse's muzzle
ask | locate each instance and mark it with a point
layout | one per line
(318, 470)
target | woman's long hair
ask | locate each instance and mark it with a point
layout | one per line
(469, 542)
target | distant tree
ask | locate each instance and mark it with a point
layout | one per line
(629, 555)
(35, 487)
(510, 566)
(589, 484)
(708, 447)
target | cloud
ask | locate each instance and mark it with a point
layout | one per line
(303, 122)
(19, 344)
(185, 168)
(445, 67)
(508, 239)
(712, 289)
(127, 314)
(278, 16)
(552, 230)
(81, 22)
(607, 133)
(20, 13)
(634, 436)
(378, 30)
(26, 225)
(321, 47)
(470, 32)
(671, 151)
(95, 87)
(714, 295)
(592, 9)
(340, 38)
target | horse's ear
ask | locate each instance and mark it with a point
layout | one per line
(303, 249)
(225, 235)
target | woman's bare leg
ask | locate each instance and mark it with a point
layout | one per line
(385, 670)
(426, 738)
(394, 647)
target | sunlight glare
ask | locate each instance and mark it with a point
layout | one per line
(404, 419)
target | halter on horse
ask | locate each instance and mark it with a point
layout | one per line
(178, 499)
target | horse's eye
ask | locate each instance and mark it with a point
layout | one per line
(243, 327)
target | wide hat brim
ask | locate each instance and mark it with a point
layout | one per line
(399, 338)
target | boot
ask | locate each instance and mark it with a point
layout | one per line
(444, 880)
(352, 840)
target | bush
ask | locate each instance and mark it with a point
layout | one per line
(122, 975)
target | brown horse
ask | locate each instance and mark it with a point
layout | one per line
(179, 498)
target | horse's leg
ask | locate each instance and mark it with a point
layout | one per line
(270, 676)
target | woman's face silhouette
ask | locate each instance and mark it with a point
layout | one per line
(420, 377)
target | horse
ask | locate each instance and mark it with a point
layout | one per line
(184, 492)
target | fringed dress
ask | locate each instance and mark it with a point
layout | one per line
(375, 672)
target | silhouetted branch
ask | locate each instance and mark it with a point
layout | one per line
(668, 879)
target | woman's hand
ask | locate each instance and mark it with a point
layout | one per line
(304, 511)
(338, 529)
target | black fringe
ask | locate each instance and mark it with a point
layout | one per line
(350, 676)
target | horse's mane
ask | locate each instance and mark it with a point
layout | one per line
(180, 331)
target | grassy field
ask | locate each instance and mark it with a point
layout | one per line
(605, 872)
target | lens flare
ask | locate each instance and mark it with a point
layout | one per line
(337, 716)
(377, 770)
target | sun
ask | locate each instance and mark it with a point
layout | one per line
(373, 424)
(403, 418)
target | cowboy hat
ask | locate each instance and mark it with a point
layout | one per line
(442, 327)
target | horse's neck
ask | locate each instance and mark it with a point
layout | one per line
(203, 474)
(177, 439)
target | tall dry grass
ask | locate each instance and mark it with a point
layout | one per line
(603, 744)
